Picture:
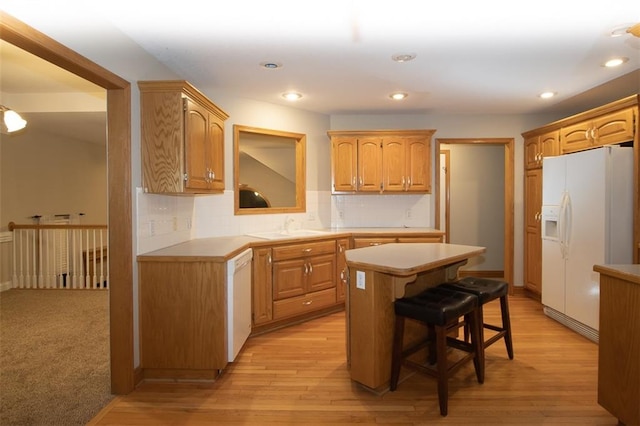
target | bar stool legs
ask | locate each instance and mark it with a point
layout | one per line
(440, 309)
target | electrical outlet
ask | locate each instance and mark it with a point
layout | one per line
(340, 214)
(408, 213)
(152, 228)
(360, 280)
(175, 223)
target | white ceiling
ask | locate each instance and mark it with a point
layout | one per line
(486, 56)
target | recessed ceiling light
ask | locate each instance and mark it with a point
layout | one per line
(620, 31)
(615, 62)
(404, 57)
(292, 96)
(270, 65)
(398, 96)
(547, 95)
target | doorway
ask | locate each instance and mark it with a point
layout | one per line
(118, 186)
(442, 200)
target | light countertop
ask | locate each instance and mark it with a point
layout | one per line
(630, 272)
(219, 249)
(410, 258)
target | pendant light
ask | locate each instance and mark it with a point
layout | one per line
(12, 120)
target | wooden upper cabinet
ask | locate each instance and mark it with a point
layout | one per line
(344, 163)
(182, 139)
(406, 166)
(540, 146)
(611, 128)
(389, 161)
(369, 164)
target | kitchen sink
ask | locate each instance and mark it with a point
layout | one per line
(295, 233)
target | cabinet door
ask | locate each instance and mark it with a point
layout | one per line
(344, 160)
(321, 272)
(533, 262)
(550, 144)
(215, 156)
(369, 164)
(418, 165)
(576, 137)
(532, 152)
(341, 268)
(289, 278)
(197, 146)
(614, 128)
(394, 164)
(262, 286)
(533, 243)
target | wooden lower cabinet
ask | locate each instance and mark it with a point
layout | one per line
(182, 319)
(262, 288)
(292, 281)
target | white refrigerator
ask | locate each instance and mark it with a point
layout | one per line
(587, 210)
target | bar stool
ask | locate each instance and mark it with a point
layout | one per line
(440, 309)
(487, 290)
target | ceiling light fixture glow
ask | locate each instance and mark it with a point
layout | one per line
(615, 62)
(398, 96)
(292, 96)
(547, 95)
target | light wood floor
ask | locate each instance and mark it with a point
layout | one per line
(298, 375)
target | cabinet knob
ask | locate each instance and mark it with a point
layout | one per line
(307, 303)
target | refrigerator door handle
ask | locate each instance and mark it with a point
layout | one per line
(568, 223)
(562, 225)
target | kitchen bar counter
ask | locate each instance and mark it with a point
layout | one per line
(379, 275)
(619, 342)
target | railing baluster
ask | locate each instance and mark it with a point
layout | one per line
(60, 256)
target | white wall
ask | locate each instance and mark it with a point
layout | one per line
(43, 174)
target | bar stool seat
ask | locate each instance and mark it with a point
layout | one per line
(440, 309)
(487, 290)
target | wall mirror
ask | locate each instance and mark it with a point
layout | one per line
(269, 171)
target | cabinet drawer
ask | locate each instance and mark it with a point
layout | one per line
(294, 251)
(433, 239)
(303, 304)
(366, 242)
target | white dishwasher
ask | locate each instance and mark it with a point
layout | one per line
(238, 302)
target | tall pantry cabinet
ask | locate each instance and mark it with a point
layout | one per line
(537, 145)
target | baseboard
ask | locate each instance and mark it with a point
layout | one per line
(5, 286)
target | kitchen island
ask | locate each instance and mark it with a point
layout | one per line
(619, 341)
(379, 275)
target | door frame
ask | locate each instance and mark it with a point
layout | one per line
(120, 261)
(508, 144)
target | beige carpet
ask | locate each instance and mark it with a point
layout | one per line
(54, 356)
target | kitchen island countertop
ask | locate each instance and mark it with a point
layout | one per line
(628, 272)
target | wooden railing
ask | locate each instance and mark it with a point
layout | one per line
(60, 256)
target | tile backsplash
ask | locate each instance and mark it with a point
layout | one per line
(164, 220)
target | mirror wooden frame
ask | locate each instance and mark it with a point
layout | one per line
(300, 155)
